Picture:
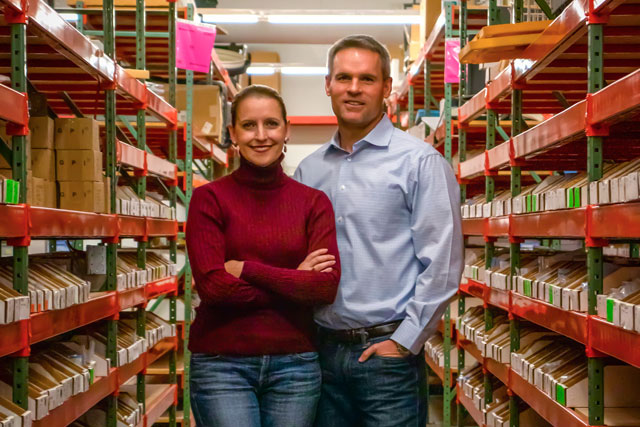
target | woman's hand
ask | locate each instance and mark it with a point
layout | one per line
(234, 267)
(318, 260)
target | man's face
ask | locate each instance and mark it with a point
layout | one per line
(356, 87)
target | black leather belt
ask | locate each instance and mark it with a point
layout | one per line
(359, 335)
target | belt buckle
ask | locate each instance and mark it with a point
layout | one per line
(363, 334)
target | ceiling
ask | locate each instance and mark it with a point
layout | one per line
(263, 32)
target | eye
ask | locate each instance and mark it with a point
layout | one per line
(248, 125)
(368, 79)
(272, 123)
(342, 78)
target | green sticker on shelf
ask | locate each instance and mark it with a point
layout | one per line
(610, 304)
(12, 191)
(561, 394)
(569, 197)
(576, 197)
(91, 378)
(527, 203)
(551, 294)
(527, 287)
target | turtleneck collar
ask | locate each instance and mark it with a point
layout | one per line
(251, 175)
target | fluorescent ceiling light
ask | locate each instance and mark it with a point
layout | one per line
(344, 19)
(304, 71)
(260, 71)
(310, 17)
(233, 18)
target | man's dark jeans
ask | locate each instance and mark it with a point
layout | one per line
(381, 392)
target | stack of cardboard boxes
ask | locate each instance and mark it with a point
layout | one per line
(82, 186)
(42, 188)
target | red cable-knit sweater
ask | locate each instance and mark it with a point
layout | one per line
(271, 222)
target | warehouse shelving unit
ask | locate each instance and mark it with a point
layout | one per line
(582, 75)
(47, 50)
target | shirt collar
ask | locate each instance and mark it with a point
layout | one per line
(379, 135)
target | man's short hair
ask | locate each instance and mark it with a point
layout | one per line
(361, 41)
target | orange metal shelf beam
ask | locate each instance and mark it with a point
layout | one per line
(48, 324)
(588, 330)
(438, 370)
(470, 407)
(72, 44)
(14, 107)
(546, 407)
(102, 387)
(20, 221)
(156, 407)
(616, 101)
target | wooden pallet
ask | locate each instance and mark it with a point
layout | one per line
(497, 42)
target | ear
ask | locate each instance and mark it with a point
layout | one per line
(287, 127)
(327, 84)
(387, 85)
(232, 133)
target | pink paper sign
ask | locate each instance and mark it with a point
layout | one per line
(452, 61)
(194, 44)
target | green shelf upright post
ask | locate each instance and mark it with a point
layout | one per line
(517, 126)
(108, 19)
(19, 169)
(412, 111)
(173, 195)
(141, 183)
(462, 156)
(448, 154)
(188, 162)
(595, 366)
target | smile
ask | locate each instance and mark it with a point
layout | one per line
(261, 148)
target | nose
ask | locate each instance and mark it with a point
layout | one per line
(354, 87)
(261, 132)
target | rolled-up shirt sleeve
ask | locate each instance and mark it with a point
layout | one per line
(436, 229)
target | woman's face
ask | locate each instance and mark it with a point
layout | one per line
(260, 131)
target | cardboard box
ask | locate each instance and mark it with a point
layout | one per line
(77, 134)
(106, 182)
(429, 13)
(50, 195)
(42, 132)
(8, 139)
(274, 80)
(38, 189)
(207, 109)
(44, 163)
(85, 196)
(79, 165)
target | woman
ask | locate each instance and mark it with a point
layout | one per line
(263, 251)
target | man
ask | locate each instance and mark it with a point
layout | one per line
(397, 207)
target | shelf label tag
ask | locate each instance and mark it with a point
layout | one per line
(194, 43)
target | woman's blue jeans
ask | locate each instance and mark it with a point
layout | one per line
(256, 391)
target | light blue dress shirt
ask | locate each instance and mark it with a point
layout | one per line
(397, 208)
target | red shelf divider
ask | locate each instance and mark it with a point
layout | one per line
(477, 416)
(160, 287)
(614, 341)
(158, 406)
(438, 370)
(77, 405)
(472, 226)
(550, 410)
(14, 107)
(48, 324)
(13, 337)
